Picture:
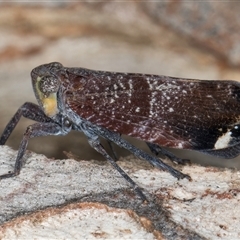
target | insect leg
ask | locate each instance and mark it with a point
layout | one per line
(116, 138)
(157, 149)
(94, 142)
(35, 130)
(27, 110)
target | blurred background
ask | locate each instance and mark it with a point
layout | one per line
(176, 38)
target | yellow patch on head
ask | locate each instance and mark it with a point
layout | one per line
(50, 105)
(48, 102)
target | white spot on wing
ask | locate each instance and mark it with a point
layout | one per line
(180, 145)
(130, 84)
(223, 141)
(122, 85)
(152, 103)
(115, 86)
(137, 109)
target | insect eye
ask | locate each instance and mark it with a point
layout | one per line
(48, 84)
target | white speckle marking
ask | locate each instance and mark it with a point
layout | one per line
(137, 109)
(152, 103)
(170, 110)
(122, 85)
(130, 85)
(149, 83)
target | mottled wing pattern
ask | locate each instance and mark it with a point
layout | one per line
(171, 112)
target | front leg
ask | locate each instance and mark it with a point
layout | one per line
(27, 110)
(35, 130)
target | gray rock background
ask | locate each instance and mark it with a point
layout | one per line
(35, 202)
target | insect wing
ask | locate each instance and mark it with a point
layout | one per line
(171, 112)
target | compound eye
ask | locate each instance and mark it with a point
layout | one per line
(48, 84)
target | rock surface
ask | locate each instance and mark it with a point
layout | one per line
(206, 207)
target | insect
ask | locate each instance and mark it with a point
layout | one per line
(164, 111)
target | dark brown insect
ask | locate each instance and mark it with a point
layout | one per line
(163, 111)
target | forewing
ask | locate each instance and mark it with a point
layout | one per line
(172, 112)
